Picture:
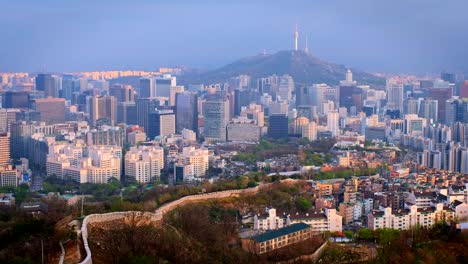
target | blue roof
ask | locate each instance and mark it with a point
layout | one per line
(280, 232)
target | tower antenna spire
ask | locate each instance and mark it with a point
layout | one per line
(296, 37)
(307, 44)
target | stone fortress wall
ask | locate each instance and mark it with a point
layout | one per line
(157, 216)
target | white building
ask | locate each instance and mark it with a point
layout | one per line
(243, 129)
(99, 165)
(394, 95)
(407, 218)
(268, 221)
(144, 163)
(309, 131)
(333, 123)
(285, 87)
(188, 134)
(198, 158)
(320, 222)
(134, 137)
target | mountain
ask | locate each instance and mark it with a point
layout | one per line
(302, 66)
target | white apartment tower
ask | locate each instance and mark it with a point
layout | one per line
(144, 163)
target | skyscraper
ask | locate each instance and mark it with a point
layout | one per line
(351, 96)
(52, 110)
(161, 123)
(186, 110)
(4, 148)
(456, 110)
(122, 93)
(309, 131)
(102, 110)
(173, 93)
(19, 137)
(464, 90)
(69, 86)
(441, 95)
(429, 110)
(241, 98)
(285, 87)
(448, 77)
(5, 120)
(411, 106)
(296, 38)
(144, 106)
(13, 99)
(333, 123)
(127, 113)
(49, 84)
(278, 126)
(394, 96)
(147, 87)
(163, 85)
(216, 116)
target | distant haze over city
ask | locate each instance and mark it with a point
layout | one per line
(399, 36)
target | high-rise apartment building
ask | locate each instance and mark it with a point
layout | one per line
(144, 163)
(394, 96)
(441, 94)
(106, 136)
(456, 110)
(309, 131)
(197, 159)
(429, 110)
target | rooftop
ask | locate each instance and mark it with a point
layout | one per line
(280, 232)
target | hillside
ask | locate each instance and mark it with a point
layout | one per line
(302, 66)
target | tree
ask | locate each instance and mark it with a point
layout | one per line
(303, 204)
(365, 234)
(349, 234)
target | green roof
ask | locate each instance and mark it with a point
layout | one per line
(280, 232)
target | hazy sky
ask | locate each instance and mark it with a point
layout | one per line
(417, 36)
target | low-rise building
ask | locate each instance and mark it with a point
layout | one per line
(409, 217)
(329, 220)
(243, 129)
(275, 239)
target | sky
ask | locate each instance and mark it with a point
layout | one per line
(393, 36)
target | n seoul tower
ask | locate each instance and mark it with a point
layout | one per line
(296, 37)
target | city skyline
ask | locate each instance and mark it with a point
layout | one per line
(417, 37)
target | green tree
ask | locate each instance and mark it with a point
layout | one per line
(365, 234)
(303, 204)
(349, 234)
